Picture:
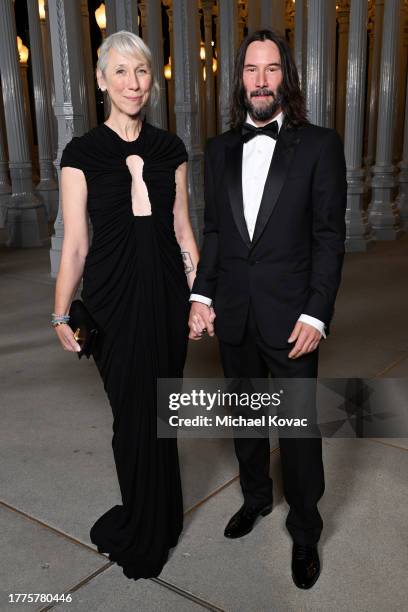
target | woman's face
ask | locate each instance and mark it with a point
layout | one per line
(128, 81)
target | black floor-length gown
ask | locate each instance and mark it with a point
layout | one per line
(135, 287)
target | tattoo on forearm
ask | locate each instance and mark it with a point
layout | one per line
(188, 262)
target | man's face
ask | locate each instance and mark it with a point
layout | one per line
(262, 76)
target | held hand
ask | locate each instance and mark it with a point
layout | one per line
(66, 337)
(307, 339)
(201, 318)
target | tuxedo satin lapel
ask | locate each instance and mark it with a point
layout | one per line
(234, 182)
(282, 157)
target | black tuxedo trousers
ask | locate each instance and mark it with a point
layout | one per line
(301, 458)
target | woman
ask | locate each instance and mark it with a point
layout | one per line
(131, 178)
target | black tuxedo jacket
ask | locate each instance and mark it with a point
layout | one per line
(293, 263)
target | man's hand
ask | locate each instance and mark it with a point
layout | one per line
(201, 318)
(307, 339)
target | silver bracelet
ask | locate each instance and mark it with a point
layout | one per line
(57, 319)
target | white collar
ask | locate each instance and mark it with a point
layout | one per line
(278, 118)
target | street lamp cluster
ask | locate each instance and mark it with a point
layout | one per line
(100, 16)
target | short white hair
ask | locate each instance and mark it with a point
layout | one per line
(127, 43)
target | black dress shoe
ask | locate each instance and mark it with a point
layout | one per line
(243, 521)
(305, 565)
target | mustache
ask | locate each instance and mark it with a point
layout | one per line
(262, 92)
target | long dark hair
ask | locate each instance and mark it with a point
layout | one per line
(293, 101)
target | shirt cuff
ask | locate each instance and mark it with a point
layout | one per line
(194, 297)
(319, 325)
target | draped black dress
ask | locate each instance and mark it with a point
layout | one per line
(135, 287)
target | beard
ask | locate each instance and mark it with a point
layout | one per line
(266, 111)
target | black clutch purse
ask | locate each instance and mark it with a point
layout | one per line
(84, 327)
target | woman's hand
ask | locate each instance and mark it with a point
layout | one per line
(66, 337)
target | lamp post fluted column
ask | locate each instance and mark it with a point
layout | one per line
(90, 79)
(170, 82)
(300, 50)
(65, 25)
(152, 18)
(207, 6)
(343, 18)
(187, 106)
(121, 15)
(273, 15)
(357, 228)
(228, 42)
(383, 213)
(402, 199)
(374, 83)
(25, 214)
(320, 57)
(401, 80)
(5, 187)
(47, 188)
(49, 77)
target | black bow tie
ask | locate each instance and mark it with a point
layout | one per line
(250, 131)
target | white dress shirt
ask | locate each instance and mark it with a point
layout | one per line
(256, 158)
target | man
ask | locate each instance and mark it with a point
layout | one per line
(270, 268)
